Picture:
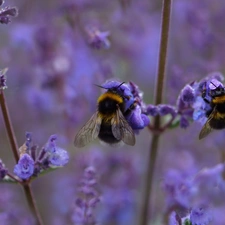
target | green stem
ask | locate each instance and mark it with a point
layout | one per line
(14, 146)
(147, 194)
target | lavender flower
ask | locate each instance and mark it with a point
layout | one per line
(24, 169)
(6, 13)
(59, 157)
(89, 198)
(56, 156)
(201, 215)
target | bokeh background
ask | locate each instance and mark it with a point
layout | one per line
(54, 61)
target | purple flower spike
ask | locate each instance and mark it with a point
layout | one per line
(3, 170)
(201, 215)
(6, 13)
(25, 167)
(85, 205)
(58, 158)
(3, 78)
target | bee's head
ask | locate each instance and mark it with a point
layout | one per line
(216, 90)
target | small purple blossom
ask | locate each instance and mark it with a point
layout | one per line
(3, 79)
(167, 109)
(188, 94)
(6, 13)
(152, 110)
(98, 39)
(24, 169)
(3, 170)
(201, 215)
(137, 120)
(58, 158)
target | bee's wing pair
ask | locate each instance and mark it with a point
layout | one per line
(89, 131)
(120, 128)
(206, 129)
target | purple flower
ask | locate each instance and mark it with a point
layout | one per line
(187, 94)
(24, 169)
(152, 110)
(3, 170)
(3, 79)
(137, 120)
(98, 39)
(201, 215)
(167, 109)
(59, 157)
(6, 13)
(85, 205)
(56, 156)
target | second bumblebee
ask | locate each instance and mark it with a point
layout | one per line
(216, 112)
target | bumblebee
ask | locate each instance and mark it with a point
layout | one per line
(108, 123)
(216, 112)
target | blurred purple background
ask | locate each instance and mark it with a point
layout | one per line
(57, 50)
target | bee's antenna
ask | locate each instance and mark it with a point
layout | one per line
(212, 83)
(101, 86)
(120, 85)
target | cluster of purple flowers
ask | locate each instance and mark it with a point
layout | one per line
(75, 44)
(194, 198)
(33, 161)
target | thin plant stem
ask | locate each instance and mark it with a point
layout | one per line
(32, 203)
(8, 126)
(14, 146)
(145, 213)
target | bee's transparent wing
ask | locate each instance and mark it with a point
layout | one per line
(89, 131)
(121, 129)
(206, 129)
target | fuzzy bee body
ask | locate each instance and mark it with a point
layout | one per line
(108, 123)
(216, 113)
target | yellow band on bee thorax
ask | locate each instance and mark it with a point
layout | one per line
(112, 96)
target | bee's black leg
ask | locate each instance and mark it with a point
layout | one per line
(130, 109)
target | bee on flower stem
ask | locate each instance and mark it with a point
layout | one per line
(108, 123)
(216, 113)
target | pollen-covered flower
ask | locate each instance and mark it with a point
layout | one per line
(24, 169)
(6, 13)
